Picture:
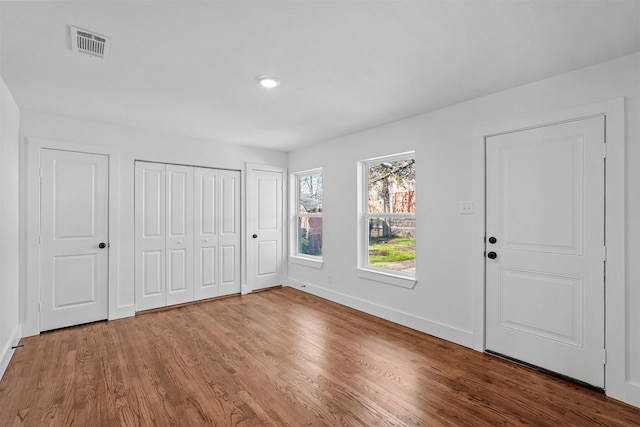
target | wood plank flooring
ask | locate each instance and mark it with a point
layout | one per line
(279, 358)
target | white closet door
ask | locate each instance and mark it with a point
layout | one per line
(179, 232)
(217, 232)
(150, 283)
(229, 235)
(206, 233)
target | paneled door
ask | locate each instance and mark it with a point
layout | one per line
(545, 247)
(164, 234)
(229, 242)
(264, 227)
(187, 234)
(217, 232)
(179, 224)
(150, 236)
(74, 251)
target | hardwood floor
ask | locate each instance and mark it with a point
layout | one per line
(279, 358)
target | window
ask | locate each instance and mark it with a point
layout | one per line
(388, 217)
(308, 208)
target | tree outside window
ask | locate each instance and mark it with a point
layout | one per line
(389, 214)
(309, 214)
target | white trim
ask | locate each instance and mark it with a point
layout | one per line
(7, 351)
(31, 315)
(307, 261)
(616, 383)
(391, 157)
(440, 330)
(384, 276)
(308, 172)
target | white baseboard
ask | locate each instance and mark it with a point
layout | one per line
(628, 392)
(7, 350)
(440, 330)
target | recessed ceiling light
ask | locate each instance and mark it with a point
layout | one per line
(268, 82)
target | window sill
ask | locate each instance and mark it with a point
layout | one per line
(307, 262)
(387, 278)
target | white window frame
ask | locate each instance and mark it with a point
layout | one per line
(364, 270)
(295, 257)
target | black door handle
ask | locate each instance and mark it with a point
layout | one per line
(492, 255)
(255, 236)
(492, 240)
(102, 245)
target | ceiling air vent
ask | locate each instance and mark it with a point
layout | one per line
(89, 42)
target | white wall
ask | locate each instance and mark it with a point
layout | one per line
(442, 301)
(9, 271)
(127, 145)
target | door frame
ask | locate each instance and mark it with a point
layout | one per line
(245, 286)
(30, 292)
(615, 301)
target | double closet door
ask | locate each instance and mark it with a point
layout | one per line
(187, 234)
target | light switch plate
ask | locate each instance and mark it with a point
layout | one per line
(466, 208)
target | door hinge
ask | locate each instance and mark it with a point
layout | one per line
(604, 150)
(604, 253)
(604, 356)
(39, 307)
(40, 172)
(39, 240)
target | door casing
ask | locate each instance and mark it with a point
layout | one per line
(615, 305)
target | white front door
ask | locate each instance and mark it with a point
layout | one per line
(74, 252)
(545, 247)
(264, 227)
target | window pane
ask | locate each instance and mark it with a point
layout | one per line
(392, 244)
(310, 236)
(310, 193)
(392, 186)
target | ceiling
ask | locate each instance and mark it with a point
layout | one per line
(188, 68)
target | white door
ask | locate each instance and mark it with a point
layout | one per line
(179, 241)
(264, 228)
(74, 253)
(545, 248)
(206, 254)
(217, 232)
(150, 233)
(229, 202)
(164, 234)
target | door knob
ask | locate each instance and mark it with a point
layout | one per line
(179, 242)
(255, 236)
(205, 240)
(102, 245)
(492, 240)
(492, 255)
